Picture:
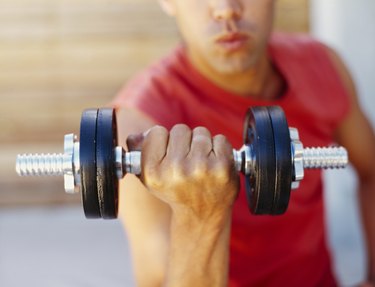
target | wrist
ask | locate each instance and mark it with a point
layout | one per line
(205, 252)
(184, 216)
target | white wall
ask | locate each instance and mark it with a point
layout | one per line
(349, 27)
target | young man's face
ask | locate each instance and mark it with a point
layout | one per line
(226, 36)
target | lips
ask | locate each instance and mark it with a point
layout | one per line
(229, 37)
(232, 41)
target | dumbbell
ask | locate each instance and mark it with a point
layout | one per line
(272, 160)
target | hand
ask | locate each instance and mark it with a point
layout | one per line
(367, 284)
(189, 170)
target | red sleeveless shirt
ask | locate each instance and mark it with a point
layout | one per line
(288, 250)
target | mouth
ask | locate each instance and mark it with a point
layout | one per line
(232, 41)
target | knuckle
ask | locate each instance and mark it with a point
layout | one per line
(200, 170)
(223, 146)
(201, 139)
(180, 128)
(196, 168)
(158, 130)
(175, 168)
(172, 172)
(151, 177)
(222, 140)
(223, 170)
(155, 135)
(200, 130)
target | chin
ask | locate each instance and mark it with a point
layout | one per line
(231, 65)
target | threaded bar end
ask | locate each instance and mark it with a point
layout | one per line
(325, 157)
(40, 164)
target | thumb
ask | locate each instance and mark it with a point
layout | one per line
(135, 141)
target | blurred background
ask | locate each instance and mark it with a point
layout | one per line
(58, 57)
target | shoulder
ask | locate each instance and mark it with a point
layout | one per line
(150, 84)
(311, 58)
(154, 77)
(342, 71)
(152, 90)
(307, 54)
(298, 46)
(321, 83)
(305, 45)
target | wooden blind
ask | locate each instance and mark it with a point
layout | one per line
(58, 57)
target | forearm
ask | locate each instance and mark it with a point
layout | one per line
(199, 251)
(194, 174)
(367, 200)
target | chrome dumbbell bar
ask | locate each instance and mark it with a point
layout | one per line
(67, 164)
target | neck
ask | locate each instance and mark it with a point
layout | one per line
(261, 81)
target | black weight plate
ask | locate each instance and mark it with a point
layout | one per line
(87, 158)
(106, 179)
(283, 160)
(260, 184)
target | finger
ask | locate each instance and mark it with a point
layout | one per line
(224, 163)
(154, 146)
(179, 142)
(201, 142)
(222, 147)
(134, 142)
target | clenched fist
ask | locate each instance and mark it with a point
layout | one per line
(188, 169)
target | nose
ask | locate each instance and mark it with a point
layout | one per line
(223, 10)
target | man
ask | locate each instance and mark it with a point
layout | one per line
(187, 222)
